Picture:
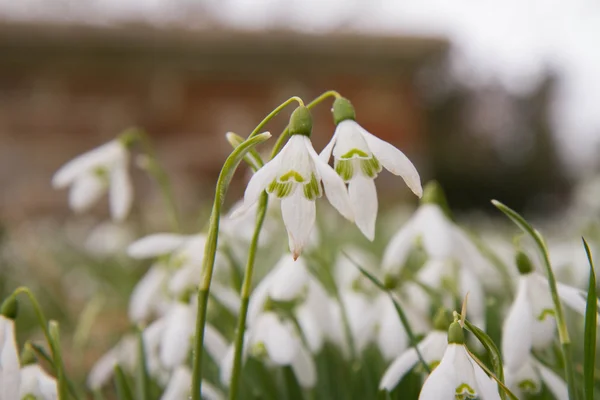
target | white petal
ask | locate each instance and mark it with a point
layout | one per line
(227, 297)
(10, 374)
(289, 279)
(185, 278)
(121, 192)
(176, 340)
(310, 328)
(85, 192)
(335, 188)
(391, 336)
(543, 328)
(516, 331)
(556, 384)
(179, 385)
(398, 248)
(215, 343)
(574, 298)
(487, 388)
(280, 342)
(35, 381)
(433, 346)
(360, 318)
(146, 294)
(396, 371)
(155, 245)
(437, 230)
(257, 184)
(440, 385)
(299, 218)
(103, 369)
(325, 154)
(363, 198)
(469, 284)
(100, 156)
(305, 369)
(210, 392)
(394, 161)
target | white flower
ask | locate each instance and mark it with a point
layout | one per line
(295, 176)
(458, 375)
(361, 320)
(91, 174)
(528, 379)
(10, 375)
(530, 323)
(176, 339)
(432, 348)
(37, 383)
(123, 354)
(358, 158)
(108, 239)
(180, 384)
(148, 296)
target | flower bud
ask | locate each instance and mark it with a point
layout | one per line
(342, 110)
(456, 334)
(523, 263)
(301, 122)
(10, 307)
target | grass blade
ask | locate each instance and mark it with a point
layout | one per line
(123, 389)
(589, 341)
(142, 379)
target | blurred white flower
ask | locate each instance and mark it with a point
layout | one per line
(361, 320)
(432, 348)
(295, 176)
(358, 158)
(108, 239)
(180, 383)
(10, 375)
(175, 344)
(91, 174)
(123, 354)
(527, 380)
(149, 296)
(458, 375)
(37, 383)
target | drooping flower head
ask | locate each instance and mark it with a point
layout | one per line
(91, 174)
(10, 375)
(358, 157)
(295, 177)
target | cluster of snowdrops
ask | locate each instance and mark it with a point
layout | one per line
(441, 314)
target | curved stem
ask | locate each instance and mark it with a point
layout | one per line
(273, 113)
(245, 296)
(210, 251)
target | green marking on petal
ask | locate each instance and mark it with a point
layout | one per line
(370, 167)
(312, 189)
(547, 312)
(433, 365)
(345, 169)
(464, 391)
(292, 175)
(529, 386)
(280, 189)
(354, 152)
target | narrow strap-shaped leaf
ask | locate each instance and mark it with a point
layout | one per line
(505, 390)
(142, 380)
(123, 389)
(589, 341)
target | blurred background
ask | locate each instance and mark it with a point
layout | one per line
(492, 99)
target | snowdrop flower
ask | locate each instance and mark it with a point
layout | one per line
(108, 239)
(149, 296)
(91, 174)
(527, 379)
(432, 348)
(37, 383)
(295, 177)
(358, 157)
(530, 323)
(458, 375)
(180, 384)
(361, 320)
(123, 354)
(10, 375)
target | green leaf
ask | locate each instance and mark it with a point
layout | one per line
(563, 333)
(142, 381)
(123, 389)
(589, 340)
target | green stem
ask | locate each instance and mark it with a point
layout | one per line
(273, 113)
(53, 331)
(245, 295)
(142, 378)
(210, 251)
(156, 171)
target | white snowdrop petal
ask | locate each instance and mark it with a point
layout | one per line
(210, 392)
(121, 192)
(103, 370)
(441, 385)
(433, 346)
(398, 248)
(103, 155)
(437, 232)
(516, 331)
(155, 245)
(215, 343)
(176, 340)
(146, 294)
(325, 154)
(257, 184)
(396, 371)
(310, 328)
(36, 382)
(543, 328)
(334, 186)
(299, 218)
(227, 297)
(487, 388)
(394, 161)
(363, 198)
(85, 192)
(304, 368)
(469, 284)
(179, 385)
(556, 384)
(391, 336)
(574, 298)
(278, 339)
(183, 279)
(289, 280)
(10, 375)
(360, 317)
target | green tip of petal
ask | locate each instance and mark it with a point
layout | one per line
(456, 334)
(10, 307)
(523, 263)
(342, 110)
(434, 194)
(442, 320)
(301, 122)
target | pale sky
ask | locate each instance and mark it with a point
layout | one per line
(508, 41)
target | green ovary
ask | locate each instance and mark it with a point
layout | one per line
(464, 392)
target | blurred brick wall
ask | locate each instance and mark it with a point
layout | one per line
(64, 90)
